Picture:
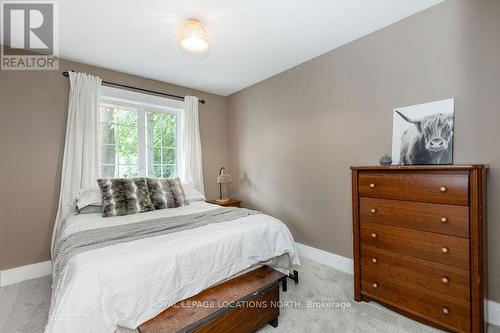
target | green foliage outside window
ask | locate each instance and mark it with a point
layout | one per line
(162, 129)
(120, 142)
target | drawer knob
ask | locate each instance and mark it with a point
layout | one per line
(372, 185)
(444, 219)
(444, 250)
(443, 189)
(374, 235)
(375, 285)
(446, 310)
(374, 260)
(373, 210)
(445, 280)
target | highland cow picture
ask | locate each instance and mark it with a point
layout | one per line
(423, 133)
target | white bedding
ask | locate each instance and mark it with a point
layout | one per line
(129, 283)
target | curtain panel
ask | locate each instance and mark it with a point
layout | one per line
(192, 166)
(80, 167)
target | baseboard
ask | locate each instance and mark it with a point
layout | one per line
(326, 258)
(28, 272)
(346, 265)
(23, 273)
(494, 313)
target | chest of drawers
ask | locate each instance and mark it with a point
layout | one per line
(418, 242)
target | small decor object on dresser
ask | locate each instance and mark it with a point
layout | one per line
(418, 242)
(385, 160)
(423, 134)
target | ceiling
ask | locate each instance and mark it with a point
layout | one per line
(251, 39)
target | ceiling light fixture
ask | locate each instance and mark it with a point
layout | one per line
(193, 37)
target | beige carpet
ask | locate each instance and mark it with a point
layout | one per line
(322, 302)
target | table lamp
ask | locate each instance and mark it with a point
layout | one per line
(223, 178)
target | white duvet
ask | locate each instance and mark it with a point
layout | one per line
(127, 284)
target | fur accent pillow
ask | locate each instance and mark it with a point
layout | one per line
(166, 193)
(124, 196)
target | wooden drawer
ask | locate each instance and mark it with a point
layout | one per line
(444, 219)
(448, 250)
(438, 308)
(425, 187)
(441, 278)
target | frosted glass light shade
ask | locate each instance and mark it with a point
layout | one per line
(193, 37)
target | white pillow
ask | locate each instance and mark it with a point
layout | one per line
(191, 194)
(88, 197)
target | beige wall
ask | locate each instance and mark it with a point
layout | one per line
(293, 137)
(290, 139)
(33, 109)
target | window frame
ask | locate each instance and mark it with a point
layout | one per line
(145, 103)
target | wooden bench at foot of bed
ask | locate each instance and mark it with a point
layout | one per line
(243, 304)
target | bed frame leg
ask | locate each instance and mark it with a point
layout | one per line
(274, 322)
(294, 276)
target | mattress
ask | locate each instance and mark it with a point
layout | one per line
(129, 283)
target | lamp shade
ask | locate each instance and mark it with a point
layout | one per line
(224, 177)
(193, 37)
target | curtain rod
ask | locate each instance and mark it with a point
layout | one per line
(202, 101)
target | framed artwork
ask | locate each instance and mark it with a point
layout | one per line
(423, 133)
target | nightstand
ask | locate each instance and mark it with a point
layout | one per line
(230, 203)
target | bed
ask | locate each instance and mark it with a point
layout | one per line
(126, 284)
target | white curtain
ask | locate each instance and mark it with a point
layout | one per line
(80, 167)
(192, 166)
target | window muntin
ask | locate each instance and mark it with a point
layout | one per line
(138, 140)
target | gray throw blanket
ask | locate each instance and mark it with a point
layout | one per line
(87, 240)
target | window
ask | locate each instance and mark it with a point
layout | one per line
(138, 138)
